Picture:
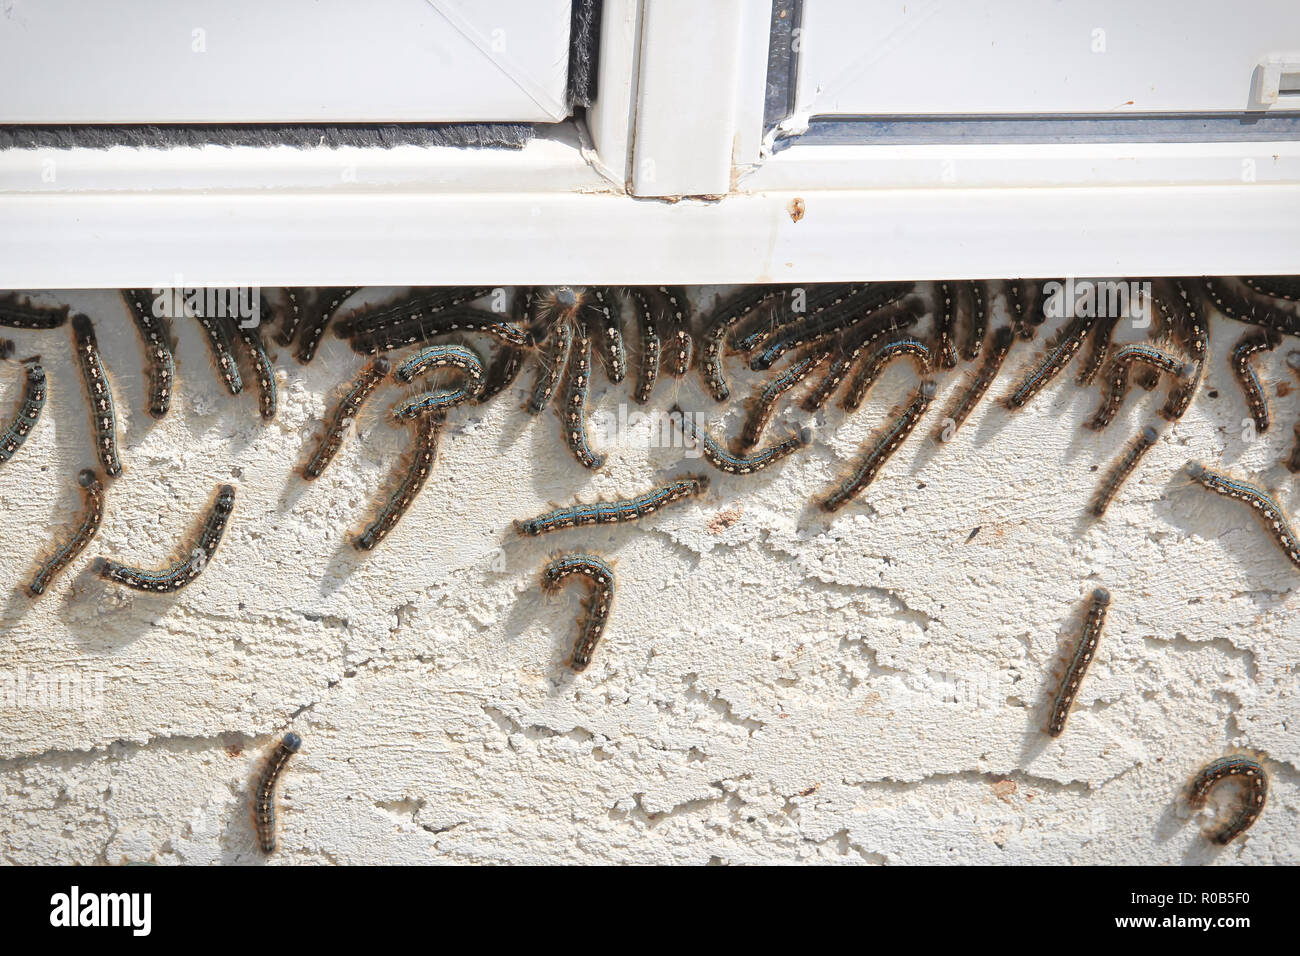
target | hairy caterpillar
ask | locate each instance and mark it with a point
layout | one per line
(1115, 479)
(1248, 345)
(865, 471)
(1268, 511)
(1275, 287)
(606, 309)
(1020, 300)
(1192, 327)
(1059, 355)
(680, 346)
(851, 310)
(420, 329)
(1102, 331)
(977, 325)
(1093, 619)
(945, 321)
(716, 329)
(160, 361)
(907, 347)
(958, 414)
(505, 368)
(103, 415)
(17, 313)
(1293, 463)
(295, 304)
(323, 306)
(894, 318)
(1117, 378)
(1233, 305)
(611, 512)
(264, 797)
(599, 578)
(763, 404)
(818, 300)
(574, 413)
(29, 411)
(260, 363)
(427, 430)
(93, 496)
(332, 439)
(459, 357)
(651, 345)
(419, 304)
(1254, 782)
(551, 365)
(219, 342)
(182, 572)
(723, 460)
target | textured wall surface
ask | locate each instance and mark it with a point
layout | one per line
(775, 684)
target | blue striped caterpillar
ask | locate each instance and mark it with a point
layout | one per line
(1254, 780)
(971, 397)
(605, 309)
(19, 313)
(599, 578)
(346, 412)
(1102, 331)
(550, 368)
(1059, 355)
(185, 570)
(889, 441)
(648, 310)
(1115, 479)
(218, 334)
(613, 512)
(891, 351)
(891, 319)
(416, 305)
(420, 329)
(1233, 305)
(260, 363)
(509, 359)
(574, 413)
(763, 405)
(93, 514)
(458, 357)
(103, 415)
(945, 322)
(725, 461)
(158, 345)
(977, 325)
(264, 796)
(323, 306)
(427, 430)
(1268, 511)
(680, 347)
(841, 314)
(1247, 346)
(1179, 302)
(1093, 619)
(818, 301)
(719, 324)
(29, 410)
(1117, 377)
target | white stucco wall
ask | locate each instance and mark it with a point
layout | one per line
(775, 684)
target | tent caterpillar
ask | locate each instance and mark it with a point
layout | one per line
(1178, 299)
(574, 413)
(894, 318)
(945, 320)
(651, 345)
(160, 361)
(219, 343)
(93, 497)
(1268, 511)
(891, 351)
(459, 357)
(680, 346)
(22, 313)
(1118, 474)
(184, 571)
(1234, 305)
(551, 365)
(847, 310)
(416, 305)
(103, 415)
(599, 578)
(606, 309)
(260, 363)
(865, 471)
(1093, 619)
(1275, 287)
(264, 798)
(716, 329)
(1256, 400)
(1117, 378)
(295, 303)
(723, 460)
(611, 512)
(1102, 331)
(427, 430)
(978, 318)
(29, 411)
(420, 329)
(957, 416)
(763, 405)
(1059, 355)
(1255, 786)
(346, 412)
(323, 306)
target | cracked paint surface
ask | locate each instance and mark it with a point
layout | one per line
(775, 685)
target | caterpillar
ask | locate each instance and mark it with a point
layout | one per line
(719, 324)
(323, 306)
(1250, 344)
(865, 471)
(763, 404)
(978, 319)
(1233, 305)
(219, 342)
(1275, 287)
(945, 321)
(1293, 463)
(420, 329)
(184, 571)
(849, 311)
(160, 361)
(908, 347)
(551, 367)
(574, 413)
(459, 357)
(1118, 474)
(723, 460)
(606, 308)
(18, 313)
(505, 368)
(1093, 619)
(1059, 355)
(1269, 513)
(894, 318)
(1020, 299)
(818, 300)
(651, 346)
(93, 514)
(103, 415)
(419, 304)
(611, 512)
(291, 321)
(1192, 327)
(29, 411)
(680, 346)
(263, 369)
(1103, 330)
(959, 412)
(332, 439)
(264, 797)
(1254, 782)
(427, 430)
(1117, 379)
(599, 578)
